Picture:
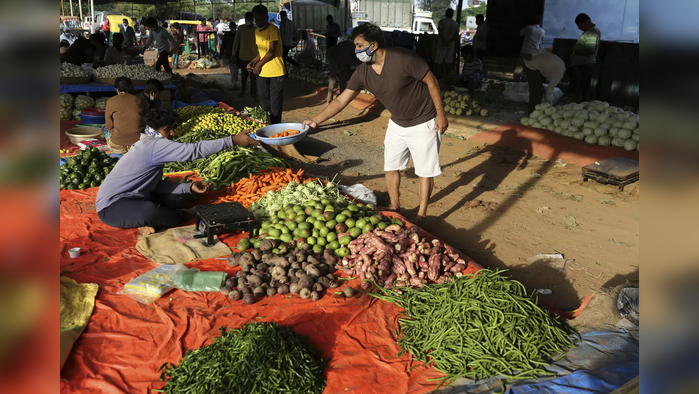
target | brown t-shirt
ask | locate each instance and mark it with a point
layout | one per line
(399, 87)
(124, 117)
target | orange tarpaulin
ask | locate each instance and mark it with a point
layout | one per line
(125, 342)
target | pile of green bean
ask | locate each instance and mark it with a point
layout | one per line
(478, 327)
(196, 165)
(257, 358)
(232, 165)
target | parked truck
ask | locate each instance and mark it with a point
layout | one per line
(393, 15)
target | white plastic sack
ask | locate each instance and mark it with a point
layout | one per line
(360, 192)
(519, 92)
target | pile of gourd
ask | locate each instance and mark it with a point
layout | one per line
(71, 108)
(595, 122)
(460, 104)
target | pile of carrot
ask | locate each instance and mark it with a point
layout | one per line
(285, 133)
(250, 189)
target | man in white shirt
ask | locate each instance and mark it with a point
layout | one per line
(480, 39)
(542, 63)
(533, 34)
(287, 30)
(448, 35)
(220, 30)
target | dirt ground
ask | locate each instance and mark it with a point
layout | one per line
(498, 205)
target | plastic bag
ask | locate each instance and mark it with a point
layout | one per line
(360, 192)
(519, 92)
(152, 285)
(195, 280)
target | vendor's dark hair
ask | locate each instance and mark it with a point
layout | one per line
(153, 85)
(467, 50)
(117, 41)
(151, 22)
(159, 117)
(123, 84)
(97, 37)
(249, 15)
(259, 10)
(449, 13)
(370, 32)
(581, 18)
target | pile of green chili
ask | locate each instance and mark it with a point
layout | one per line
(228, 166)
(478, 327)
(257, 358)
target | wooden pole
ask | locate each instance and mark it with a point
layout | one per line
(63, 8)
(71, 7)
(457, 52)
(80, 8)
(92, 12)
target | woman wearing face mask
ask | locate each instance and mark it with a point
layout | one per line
(151, 93)
(402, 81)
(268, 65)
(123, 118)
(134, 194)
(244, 50)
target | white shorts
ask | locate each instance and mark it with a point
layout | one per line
(422, 142)
(445, 54)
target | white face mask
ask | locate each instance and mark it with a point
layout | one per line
(151, 97)
(365, 55)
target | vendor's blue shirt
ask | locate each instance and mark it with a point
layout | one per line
(140, 171)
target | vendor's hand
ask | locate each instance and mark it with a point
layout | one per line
(258, 69)
(310, 123)
(441, 122)
(243, 139)
(250, 66)
(199, 188)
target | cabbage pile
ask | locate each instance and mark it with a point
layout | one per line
(82, 102)
(206, 63)
(66, 101)
(595, 122)
(69, 70)
(461, 104)
(308, 75)
(139, 72)
(101, 102)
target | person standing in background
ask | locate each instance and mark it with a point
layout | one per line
(227, 56)
(220, 31)
(480, 39)
(129, 34)
(176, 32)
(106, 30)
(448, 35)
(203, 42)
(342, 61)
(268, 65)
(533, 34)
(583, 58)
(164, 41)
(332, 32)
(287, 30)
(244, 50)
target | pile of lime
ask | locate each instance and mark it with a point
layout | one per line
(322, 225)
(87, 169)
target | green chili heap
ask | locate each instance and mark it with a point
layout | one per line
(257, 358)
(478, 327)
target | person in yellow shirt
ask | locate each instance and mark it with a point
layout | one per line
(268, 65)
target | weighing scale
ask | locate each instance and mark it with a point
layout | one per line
(616, 171)
(225, 218)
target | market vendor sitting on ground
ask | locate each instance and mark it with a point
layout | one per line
(123, 120)
(309, 50)
(402, 81)
(134, 193)
(472, 71)
(151, 93)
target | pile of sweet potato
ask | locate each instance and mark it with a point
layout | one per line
(398, 256)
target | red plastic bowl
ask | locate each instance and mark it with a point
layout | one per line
(93, 111)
